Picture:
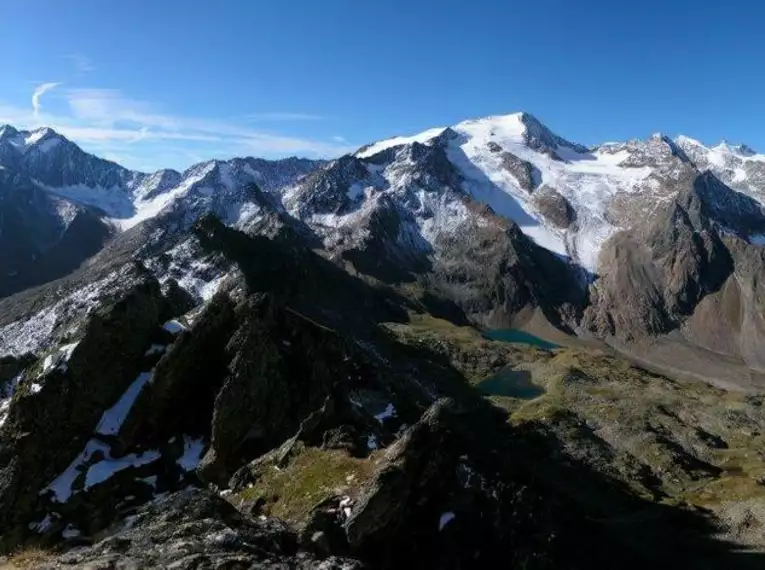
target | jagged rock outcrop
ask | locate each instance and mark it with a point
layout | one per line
(57, 405)
(684, 271)
(539, 137)
(653, 276)
(282, 368)
(525, 172)
(330, 189)
(731, 320)
(388, 249)
(186, 379)
(492, 271)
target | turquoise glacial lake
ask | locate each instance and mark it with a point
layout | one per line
(520, 337)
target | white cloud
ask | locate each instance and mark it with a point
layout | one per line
(109, 108)
(38, 93)
(282, 117)
(107, 122)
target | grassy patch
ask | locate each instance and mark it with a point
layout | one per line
(313, 476)
(26, 559)
(676, 431)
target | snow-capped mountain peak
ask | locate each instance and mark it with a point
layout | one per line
(741, 150)
(42, 139)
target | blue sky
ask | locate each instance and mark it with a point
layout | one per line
(168, 83)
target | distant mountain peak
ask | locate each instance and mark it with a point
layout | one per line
(745, 150)
(7, 130)
(739, 149)
(540, 137)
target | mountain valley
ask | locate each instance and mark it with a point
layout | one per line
(258, 363)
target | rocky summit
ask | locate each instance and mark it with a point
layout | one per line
(483, 345)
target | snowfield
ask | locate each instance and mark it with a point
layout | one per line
(587, 180)
(591, 181)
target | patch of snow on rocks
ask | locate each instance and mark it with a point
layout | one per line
(58, 359)
(445, 519)
(6, 394)
(388, 412)
(191, 267)
(43, 526)
(155, 349)
(36, 332)
(61, 486)
(192, 453)
(174, 327)
(70, 532)
(103, 470)
(113, 418)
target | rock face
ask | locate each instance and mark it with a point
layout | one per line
(269, 389)
(492, 272)
(682, 271)
(523, 171)
(427, 488)
(556, 208)
(730, 321)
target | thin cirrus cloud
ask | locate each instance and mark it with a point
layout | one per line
(107, 122)
(257, 117)
(80, 62)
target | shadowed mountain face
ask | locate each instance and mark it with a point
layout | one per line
(42, 237)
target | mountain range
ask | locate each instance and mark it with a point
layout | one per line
(189, 335)
(623, 241)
